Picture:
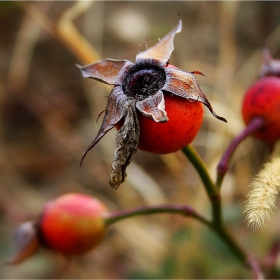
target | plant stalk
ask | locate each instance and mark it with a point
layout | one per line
(213, 193)
(199, 165)
(223, 165)
(185, 210)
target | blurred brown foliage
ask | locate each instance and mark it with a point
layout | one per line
(48, 117)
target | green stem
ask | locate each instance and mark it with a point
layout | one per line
(215, 198)
(211, 189)
(200, 167)
(235, 248)
(185, 210)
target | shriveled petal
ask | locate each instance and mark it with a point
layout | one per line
(108, 70)
(161, 51)
(114, 112)
(184, 84)
(153, 107)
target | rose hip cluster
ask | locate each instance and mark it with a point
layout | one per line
(155, 107)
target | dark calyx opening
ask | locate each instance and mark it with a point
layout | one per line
(143, 80)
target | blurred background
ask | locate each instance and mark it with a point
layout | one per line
(48, 118)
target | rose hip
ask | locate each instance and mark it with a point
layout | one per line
(72, 224)
(262, 99)
(185, 119)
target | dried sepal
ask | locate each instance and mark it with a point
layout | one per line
(27, 242)
(161, 51)
(197, 73)
(109, 71)
(113, 114)
(184, 84)
(153, 107)
(127, 139)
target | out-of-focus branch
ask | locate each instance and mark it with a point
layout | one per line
(185, 210)
(72, 37)
(26, 40)
(65, 31)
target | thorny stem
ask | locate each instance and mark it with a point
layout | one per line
(217, 224)
(185, 210)
(223, 165)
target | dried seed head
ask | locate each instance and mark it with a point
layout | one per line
(262, 198)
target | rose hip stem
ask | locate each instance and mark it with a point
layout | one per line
(223, 165)
(185, 210)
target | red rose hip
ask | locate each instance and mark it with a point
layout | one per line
(185, 119)
(149, 90)
(262, 99)
(73, 224)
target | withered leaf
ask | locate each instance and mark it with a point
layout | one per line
(127, 139)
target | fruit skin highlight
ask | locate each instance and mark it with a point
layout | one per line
(73, 224)
(262, 99)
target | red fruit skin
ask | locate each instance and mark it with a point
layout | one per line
(72, 224)
(185, 119)
(262, 99)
